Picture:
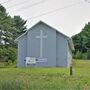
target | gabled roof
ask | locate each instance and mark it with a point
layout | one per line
(69, 39)
(35, 25)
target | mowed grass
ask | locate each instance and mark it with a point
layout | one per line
(46, 78)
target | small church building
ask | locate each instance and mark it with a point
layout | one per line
(44, 46)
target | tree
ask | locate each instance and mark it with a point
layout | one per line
(20, 25)
(86, 36)
(82, 41)
(10, 28)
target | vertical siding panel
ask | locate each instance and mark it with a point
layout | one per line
(61, 50)
(49, 44)
(22, 51)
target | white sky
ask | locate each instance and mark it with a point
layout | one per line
(69, 21)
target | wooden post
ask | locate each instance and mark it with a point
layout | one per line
(71, 68)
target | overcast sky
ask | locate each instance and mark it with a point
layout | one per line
(69, 19)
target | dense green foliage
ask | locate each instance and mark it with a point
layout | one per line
(82, 43)
(10, 29)
(46, 78)
(7, 54)
(20, 25)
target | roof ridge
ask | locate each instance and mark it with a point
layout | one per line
(43, 23)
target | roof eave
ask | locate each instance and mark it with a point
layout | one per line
(35, 25)
(16, 40)
(70, 41)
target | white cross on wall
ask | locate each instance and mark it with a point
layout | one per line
(41, 42)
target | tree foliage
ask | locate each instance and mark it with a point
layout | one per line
(7, 54)
(82, 41)
(10, 29)
(20, 24)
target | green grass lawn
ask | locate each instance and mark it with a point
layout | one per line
(46, 78)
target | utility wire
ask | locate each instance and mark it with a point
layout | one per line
(58, 9)
(26, 1)
(5, 2)
(29, 6)
(88, 1)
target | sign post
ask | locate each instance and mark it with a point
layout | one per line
(71, 69)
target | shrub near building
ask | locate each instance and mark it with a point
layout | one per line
(7, 54)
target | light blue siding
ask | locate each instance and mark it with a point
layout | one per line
(55, 48)
(22, 45)
(61, 50)
(49, 44)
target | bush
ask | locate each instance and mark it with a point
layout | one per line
(79, 55)
(88, 55)
(12, 54)
(84, 56)
(7, 54)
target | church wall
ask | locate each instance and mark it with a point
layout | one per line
(49, 45)
(53, 51)
(61, 50)
(22, 51)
